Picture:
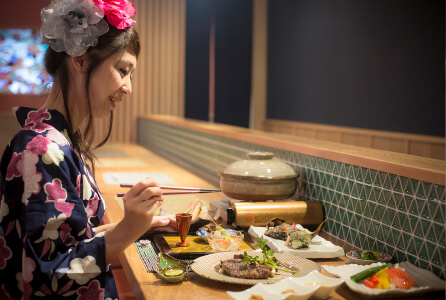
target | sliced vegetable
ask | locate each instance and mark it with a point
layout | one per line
(367, 273)
(384, 279)
(374, 280)
(400, 278)
(368, 283)
(196, 210)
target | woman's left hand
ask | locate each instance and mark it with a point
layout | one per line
(164, 224)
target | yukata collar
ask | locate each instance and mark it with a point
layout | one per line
(30, 117)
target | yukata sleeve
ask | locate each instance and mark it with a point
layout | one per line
(61, 254)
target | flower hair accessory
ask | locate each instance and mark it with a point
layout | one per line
(72, 26)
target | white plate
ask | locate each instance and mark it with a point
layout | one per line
(297, 284)
(425, 281)
(208, 266)
(319, 247)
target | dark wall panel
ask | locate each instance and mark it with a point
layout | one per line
(198, 14)
(233, 48)
(366, 64)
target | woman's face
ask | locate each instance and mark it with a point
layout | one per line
(111, 82)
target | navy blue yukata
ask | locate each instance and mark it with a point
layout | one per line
(48, 212)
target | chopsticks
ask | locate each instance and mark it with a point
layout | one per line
(177, 190)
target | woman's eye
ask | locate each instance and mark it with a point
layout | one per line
(124, 72)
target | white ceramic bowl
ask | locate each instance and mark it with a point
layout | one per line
(324, 283)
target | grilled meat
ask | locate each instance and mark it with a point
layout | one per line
(247, 270)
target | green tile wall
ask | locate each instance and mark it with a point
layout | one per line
(367, 208)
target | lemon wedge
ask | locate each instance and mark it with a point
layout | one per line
(173, 272)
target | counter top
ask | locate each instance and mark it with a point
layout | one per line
(146, 285)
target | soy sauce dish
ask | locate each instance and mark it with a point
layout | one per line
(171, 269)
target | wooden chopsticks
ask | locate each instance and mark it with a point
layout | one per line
(177, 190)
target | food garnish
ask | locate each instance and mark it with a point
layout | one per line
(381, 277)
(268, 256)
(218, 227)
(369, 256)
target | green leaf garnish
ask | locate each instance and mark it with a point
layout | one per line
(268, 256)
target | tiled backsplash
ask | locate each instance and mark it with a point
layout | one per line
(367, 208)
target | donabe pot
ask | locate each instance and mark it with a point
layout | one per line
(260, 177)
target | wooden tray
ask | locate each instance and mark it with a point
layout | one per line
(166, 244)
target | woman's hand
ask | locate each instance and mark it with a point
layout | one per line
(140, 204)
(164, 224)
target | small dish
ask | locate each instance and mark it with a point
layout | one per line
(220, 242)
(173, 274)
(356, 257)
(285, 289)
(326, 284)
(204, 234)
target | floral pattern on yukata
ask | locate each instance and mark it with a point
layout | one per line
(48, 210)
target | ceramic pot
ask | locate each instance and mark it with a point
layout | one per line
(260, 177)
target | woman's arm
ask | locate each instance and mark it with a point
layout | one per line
(140, 205)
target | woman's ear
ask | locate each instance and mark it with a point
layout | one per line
(79, 63)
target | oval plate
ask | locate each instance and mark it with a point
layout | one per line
(208, 266)
(356, 257)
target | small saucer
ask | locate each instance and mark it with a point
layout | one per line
(356, 257)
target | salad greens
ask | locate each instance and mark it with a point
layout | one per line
(268, 256)
(369, 256)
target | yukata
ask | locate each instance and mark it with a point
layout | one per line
(48, 211)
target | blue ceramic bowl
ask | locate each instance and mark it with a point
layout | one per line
(203, 233)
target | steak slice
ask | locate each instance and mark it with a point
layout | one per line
(247, 270)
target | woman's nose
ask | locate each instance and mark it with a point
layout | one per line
(127, 86)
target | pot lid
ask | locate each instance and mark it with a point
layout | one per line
(260, 164)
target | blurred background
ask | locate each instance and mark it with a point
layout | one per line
(366, 73)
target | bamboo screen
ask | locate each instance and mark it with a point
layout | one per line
(158, 82)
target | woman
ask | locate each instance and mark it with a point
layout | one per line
(51, 243)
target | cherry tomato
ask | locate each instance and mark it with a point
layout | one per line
(374, 280)
(368, 283)
(400, 278)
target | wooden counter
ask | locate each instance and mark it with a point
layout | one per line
(146, 285)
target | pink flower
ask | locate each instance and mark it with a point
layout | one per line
(64, 207)
(38, 116)
(39, 145)
(118, 12)
(92, 206)
(65, 234)
(57, 137)
(5, 253)
(12, 170)
(40, 127)
(27, 164)
(93, 291)
(55, 191)
(78, 185)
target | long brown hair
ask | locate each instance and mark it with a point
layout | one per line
(112, 42)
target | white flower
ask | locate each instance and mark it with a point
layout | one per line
(51, 228)
(53, 155)
(72, 26)
(83, 269)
